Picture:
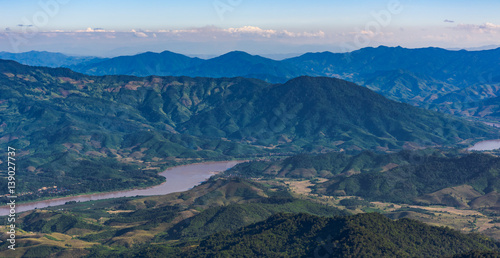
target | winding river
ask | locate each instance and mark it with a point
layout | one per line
(179, 179)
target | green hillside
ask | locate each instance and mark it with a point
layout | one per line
(404, 183)
(423, 177)
(236, 218)
(318, 112)
(214, 206)
(75, 132)
(124, 129)
(365, 235)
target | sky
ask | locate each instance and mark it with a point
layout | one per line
(271, 28)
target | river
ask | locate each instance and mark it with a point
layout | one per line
(179, 179)
(486, 145)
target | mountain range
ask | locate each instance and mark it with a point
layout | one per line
(48, 59)
(119, 124)
(418, 76)
(67, 121)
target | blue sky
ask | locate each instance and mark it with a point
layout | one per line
(210, 27)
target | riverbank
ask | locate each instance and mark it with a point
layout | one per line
(178, 179)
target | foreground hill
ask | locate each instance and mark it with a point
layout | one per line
(230, 217)
(365, 235)
(214, 206)
(301, 235)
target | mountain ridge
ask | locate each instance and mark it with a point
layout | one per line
(69, 122)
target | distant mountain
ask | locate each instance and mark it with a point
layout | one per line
(405, 86)
(237, 63)
(145, 64)
(49, 59)
(232, 64)
(416, 76)
(460, 68)
(473, 93)
(487, 108)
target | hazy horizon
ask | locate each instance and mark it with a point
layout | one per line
(274, 56)
(214, 27)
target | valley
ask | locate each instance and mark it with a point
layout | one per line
(229, 128)
(328, 162)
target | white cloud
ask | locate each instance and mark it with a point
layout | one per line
(139, 34)
(482, 28)
(250, 30)
(207, 32)
(319, 34)
(90, 30)
(213, 31)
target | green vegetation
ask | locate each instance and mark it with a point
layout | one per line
(215, 219)
(398, 177)
(353, 203)
(326, 165)
(317, 114)
(301, 235)
(234, 216)
(229, 204)
(56, 222)
(85, 133)
(42, 251)
(389, 71)
(405, 183)
(75, 133)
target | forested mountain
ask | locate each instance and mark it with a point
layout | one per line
(460, 68)
(426, 177)
(406, 183)
(49, 59)
(214, 206)
(364, 235)
(231, 217)
(488, 108)
(145, 64)
(317, 112)
(416, 76)
(58, 116)
(65, 124)
(232, 64)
